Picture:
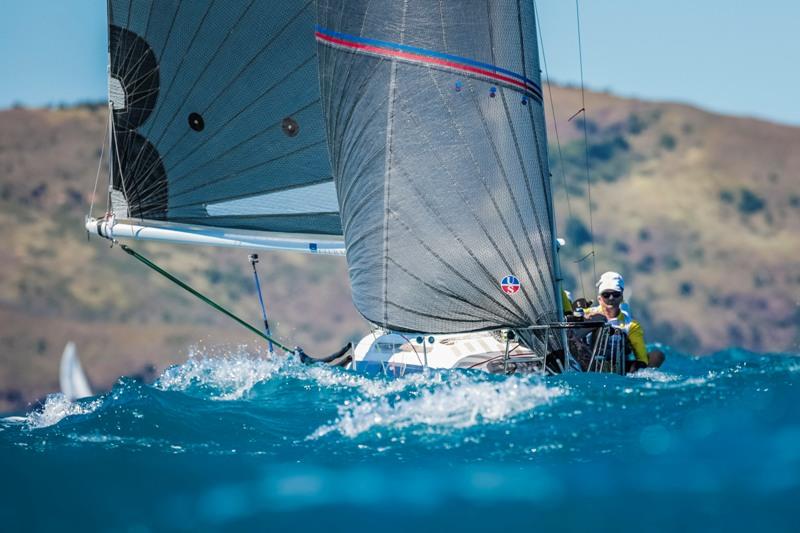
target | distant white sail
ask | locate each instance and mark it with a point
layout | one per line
(74, 384)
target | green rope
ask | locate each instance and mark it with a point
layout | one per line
(207, 300)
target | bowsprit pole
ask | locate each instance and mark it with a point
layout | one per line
(253, 261)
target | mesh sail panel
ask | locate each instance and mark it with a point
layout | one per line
(435, 121)
(217, 115)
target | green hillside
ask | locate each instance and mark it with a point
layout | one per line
(700, 212)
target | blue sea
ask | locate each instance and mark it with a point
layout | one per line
(238, 441)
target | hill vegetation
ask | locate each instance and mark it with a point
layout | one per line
(700, 212)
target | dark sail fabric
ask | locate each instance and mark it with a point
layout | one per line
(217, 115)
(435, 121)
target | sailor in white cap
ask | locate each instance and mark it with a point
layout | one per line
(610, 290)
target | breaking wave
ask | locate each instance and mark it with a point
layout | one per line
(227, 439)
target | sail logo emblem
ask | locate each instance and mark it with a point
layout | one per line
(509, 284)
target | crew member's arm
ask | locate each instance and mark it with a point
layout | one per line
(636, 338)
(565, 303)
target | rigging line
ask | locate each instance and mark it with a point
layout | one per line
(133, 253)
(580, 277)
(553, 114)
(578, 112)
(100, 162)
(585, 136)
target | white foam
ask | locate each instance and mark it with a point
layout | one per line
(373, 387)
(453, 405)
(230, 376)
(57, 407)
(651, 374)
(659, 379)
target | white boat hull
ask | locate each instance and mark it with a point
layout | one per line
(398, 353)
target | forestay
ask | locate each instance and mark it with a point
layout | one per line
(436, 126)
(217, 118)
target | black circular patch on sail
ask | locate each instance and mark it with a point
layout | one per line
(196, 122)
(139, 174)
(134, 64)
(290, 127)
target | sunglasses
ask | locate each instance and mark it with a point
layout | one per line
(608, 295)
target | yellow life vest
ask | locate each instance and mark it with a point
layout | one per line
(632, 329)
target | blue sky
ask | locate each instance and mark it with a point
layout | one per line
(732, 57)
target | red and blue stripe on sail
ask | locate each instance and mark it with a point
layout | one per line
(413, 54)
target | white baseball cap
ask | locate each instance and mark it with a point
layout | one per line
(610, 281)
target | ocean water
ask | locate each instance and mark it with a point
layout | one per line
(237, 441)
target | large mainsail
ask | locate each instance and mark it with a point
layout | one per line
(436, 126)
(217, 120)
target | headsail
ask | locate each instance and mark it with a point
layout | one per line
(435, 120)
(217, 116)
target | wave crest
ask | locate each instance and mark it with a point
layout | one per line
(457, 404)
(56, 408)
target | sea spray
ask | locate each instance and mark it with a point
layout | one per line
(234, 439)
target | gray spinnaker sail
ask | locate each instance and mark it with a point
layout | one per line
(436, 126)
(217, 118)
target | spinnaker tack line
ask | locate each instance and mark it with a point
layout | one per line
(133, 253)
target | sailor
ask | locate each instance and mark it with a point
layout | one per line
(610, 290)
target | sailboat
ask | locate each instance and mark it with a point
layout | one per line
(71, 377)
(408, 137)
